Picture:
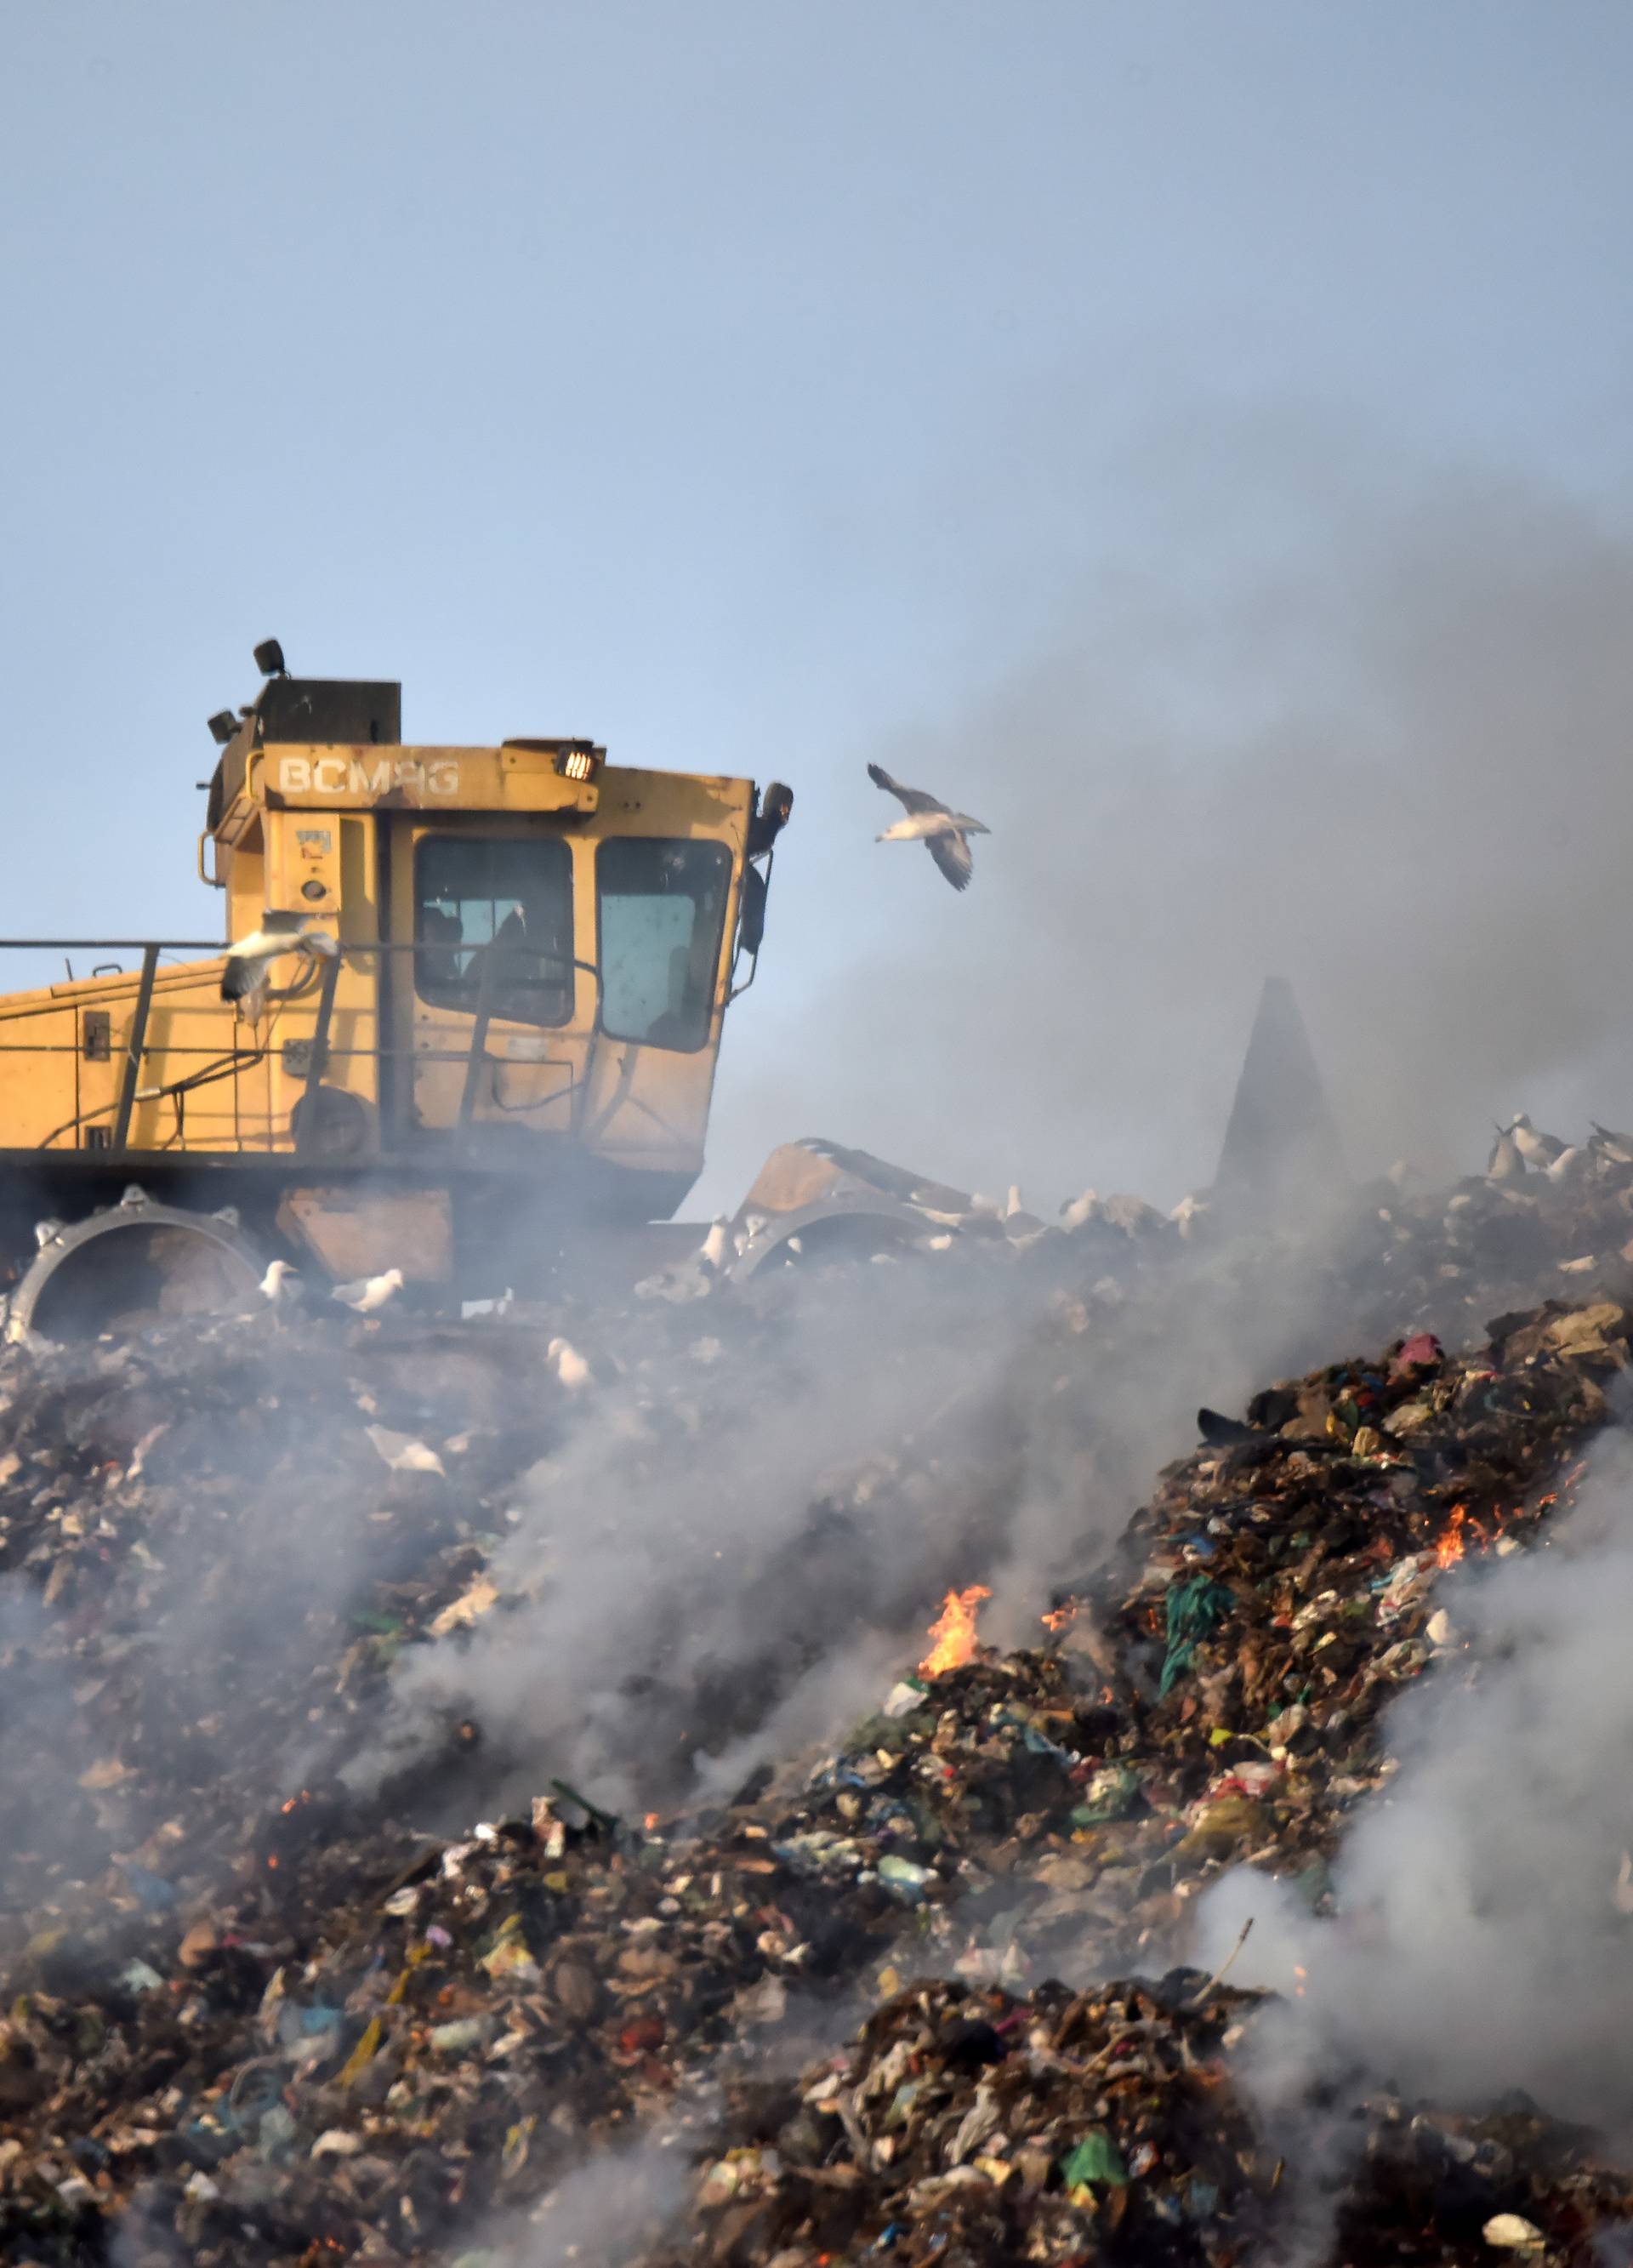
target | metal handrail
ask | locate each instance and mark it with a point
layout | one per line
(216, 949)
(132, 1092)
(215, 945)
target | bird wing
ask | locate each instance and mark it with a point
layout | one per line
(262, 945)
(249, 958)
(952, 854)
(910, 799)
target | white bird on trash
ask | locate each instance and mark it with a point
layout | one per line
(570, 1367)
(1618, 1148)
(249, 962)
(944, 834)
(1188, 1212)
(1022, 1228)
(1536, 1149)
(696, 1276)
(1080, 1210)
(742, 1238)
(280, 1286)
(369, 1294)
(1505, 1163)
(1568, 1163)
(403, 1454)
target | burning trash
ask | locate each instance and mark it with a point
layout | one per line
(953, 1632)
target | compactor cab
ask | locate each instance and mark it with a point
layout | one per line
(480, 1018)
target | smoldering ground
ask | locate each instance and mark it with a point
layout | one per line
(197, 1538)
(761, 1488)
(745, 1530)
(1481, 1943)
(726, 1549)
(1346, 714)
(621, 2202)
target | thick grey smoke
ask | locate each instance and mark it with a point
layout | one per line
(741, 1540)
(750, 1502)
(1485, 1937)
(1360, 721)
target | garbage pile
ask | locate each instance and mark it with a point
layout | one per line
(292, 2029)
(208, 1564)
(983, 2127)
(258, 2004)
(1107, 2124)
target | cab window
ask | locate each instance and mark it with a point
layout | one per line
(661, 907)
(501, 905)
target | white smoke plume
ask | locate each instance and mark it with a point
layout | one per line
(1485, 1937)
(744, 1535)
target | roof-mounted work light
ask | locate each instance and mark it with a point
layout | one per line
(580, 761)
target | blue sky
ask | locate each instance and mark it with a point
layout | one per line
(761, 387)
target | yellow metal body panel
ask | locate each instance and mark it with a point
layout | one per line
(360, 1231)
(515, 778)
(330, 833)
(792, 1177)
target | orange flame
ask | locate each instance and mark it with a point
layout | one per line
(953, 1632)
(1061, 1618)
(1450, 1547)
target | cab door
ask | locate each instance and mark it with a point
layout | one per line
(662, 906)
(485, 1009)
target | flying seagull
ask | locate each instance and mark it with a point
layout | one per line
(944, 834)
(250, 959)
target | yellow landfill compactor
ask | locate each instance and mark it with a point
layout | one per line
(488, 1040)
